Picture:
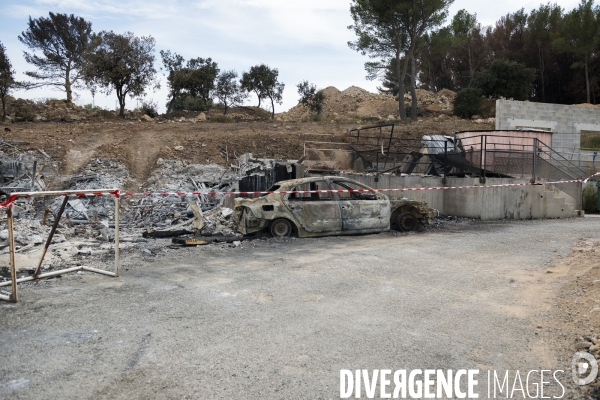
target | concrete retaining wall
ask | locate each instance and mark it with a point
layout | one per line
(516, 202)
(510, 202)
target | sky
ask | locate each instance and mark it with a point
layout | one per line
(303, 39)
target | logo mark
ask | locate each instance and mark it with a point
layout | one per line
(584, 363)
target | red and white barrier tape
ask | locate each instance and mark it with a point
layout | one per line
(119, 194)
(591, 176)
(165, 194)
(11, 198)
(14, 196)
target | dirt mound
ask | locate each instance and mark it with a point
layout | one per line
(139, 145)
(447, 93)
(355, 102)
(331, 91)
(242, 113)
(235, 114)
(355, 91)
(587, 105)
(52, 110)
(20, 110)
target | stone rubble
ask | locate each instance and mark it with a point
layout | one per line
(87, 223)
(17, 169)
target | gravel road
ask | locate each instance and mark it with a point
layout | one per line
(279, 319)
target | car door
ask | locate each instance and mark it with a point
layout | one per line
(315, 212)
(362, 211)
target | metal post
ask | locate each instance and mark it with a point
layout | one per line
(598, 198)
(117, 231)
(481, 166)
(11, 244)
(51, 235)
(494, 160)
(533, 170)
(522, 160)
(33, 174)
(445, 161)
(389, 149)
(377, 157)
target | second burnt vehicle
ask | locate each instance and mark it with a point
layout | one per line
(284, 213)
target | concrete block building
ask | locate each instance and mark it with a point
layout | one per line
(575, 129)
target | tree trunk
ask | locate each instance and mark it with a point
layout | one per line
(587, 79)
(431, 86)
(413, 83)
(121, 97)
(272, 108)
(68, 85)
(541, 56)
(258, 95)
(3, 108)
(471, 72)
(400, 74)
(170, 105)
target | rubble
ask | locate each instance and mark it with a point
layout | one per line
(219, 221)
(98, 174)
(156, 212)
(21, 170)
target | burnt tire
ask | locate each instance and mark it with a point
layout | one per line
(281, 227)
(406, 222)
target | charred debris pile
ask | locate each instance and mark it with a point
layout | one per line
(156, 210)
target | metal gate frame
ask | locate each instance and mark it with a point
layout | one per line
(13, 297)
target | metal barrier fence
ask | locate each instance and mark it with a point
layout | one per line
(483, 155)
(8, 207)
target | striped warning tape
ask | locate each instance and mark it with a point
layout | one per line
(117, 193)
(11, 198)
(182, 193)
(591, 176)
(88, 193)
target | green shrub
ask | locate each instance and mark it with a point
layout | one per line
(150, 108)
(369, 119)
(218, 107)
(590, 196)
(24, 114)
(222, 118)
(191, 103)
(590, 141)
(317, 102)
(505, 79)
(468, 102)
(105, 114)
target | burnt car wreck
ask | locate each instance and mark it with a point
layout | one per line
(310, 207)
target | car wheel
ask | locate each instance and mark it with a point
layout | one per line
(406, 222)
(281, 228)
